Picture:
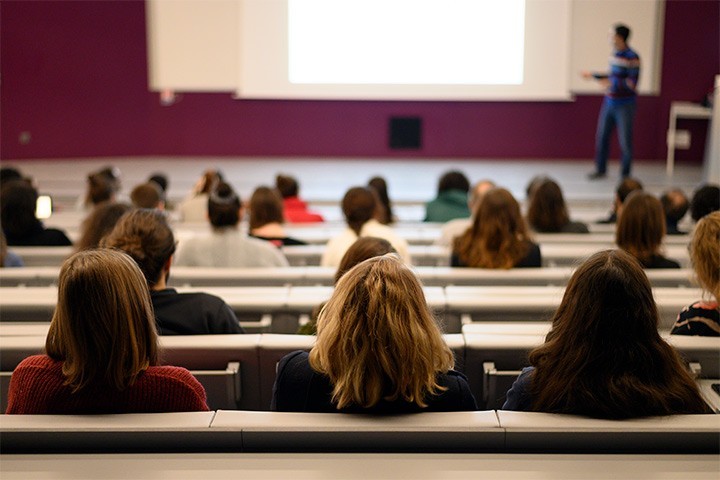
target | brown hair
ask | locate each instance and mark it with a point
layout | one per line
(361, 250)
(266, 206)
(146, 195)
(103, 329)
(145, 235)
(604, 356)
(498, 237)
(641, 226)
(224, 206)
(99, 223)
(17, 208)
(286, 185)
(705, 253)
(377, 338)
(102, 185)
(547, 211)
(358, 205)
(379, 185)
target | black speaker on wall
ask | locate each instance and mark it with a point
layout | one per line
(405, 132)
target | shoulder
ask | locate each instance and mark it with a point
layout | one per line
(172, 376)
(39, 361)
(295, 363)
(518, 397)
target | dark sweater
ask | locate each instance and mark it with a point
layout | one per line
(39, 236)
(531, 260)
(192, 313)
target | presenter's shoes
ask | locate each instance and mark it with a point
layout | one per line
(596, 175)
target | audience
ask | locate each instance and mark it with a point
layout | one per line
(148, 239)
(359, 205)
(706, 199)
(296, 210)
(498, 237)
(452, 198)
(19, 223)
(102, 351)
(266, 218)
(385, 215)
(99, 222)
(147, 195)
(226, 245)
(603, 356)
(624, 188)
(640, 230)
(675, 205)
(456, 227)
(703, 317)
(547, 211)
(102, 186)
(194, 208)
(378, 350)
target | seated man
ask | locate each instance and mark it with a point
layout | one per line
(451, 201)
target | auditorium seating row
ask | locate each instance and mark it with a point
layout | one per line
(281, 309)
(452, 432)
(238, 371)
(309, 276)
(553, 254)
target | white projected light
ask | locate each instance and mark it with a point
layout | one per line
(394, 42)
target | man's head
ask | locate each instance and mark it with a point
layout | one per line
(675, 204)
(620, 35)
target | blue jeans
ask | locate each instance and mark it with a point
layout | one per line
(620, 116)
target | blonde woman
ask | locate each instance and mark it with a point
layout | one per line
(102, 352)
(703, 317)
(378, 350)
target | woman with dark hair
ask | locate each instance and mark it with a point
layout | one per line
(266, 218)
(102, 186)
(498, 237)
(102, 350)
(226, 245)
(604, 356)
(145, 235)
(99, 223)
(641, 228)
(359, 206)
(547, 210)
(22, 228)
(379, 185)
(378, 350)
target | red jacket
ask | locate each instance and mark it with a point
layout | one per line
(296, 212)
(37, 387)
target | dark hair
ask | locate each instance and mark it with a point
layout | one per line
(453, 180)
(498, 237)
(604, 356)
(145, 235)
(102, 185)
(533, 184)
(706, 199)
(622, 31)
(146, 195)
(358, 206)
(17, 208)
(675, 204)
(265, 207)
(640, 226)
(208, 181)
(547, 211)
(626, 187)
(8, 174)
(161, 180)
(361, 250)
(286, 185)
(380, 186)
(99, 223)
(224, 206)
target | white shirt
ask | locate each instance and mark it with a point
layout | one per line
(453, 229)
(337, 246)
(228, 248)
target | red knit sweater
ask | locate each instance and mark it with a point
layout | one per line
(36, 387)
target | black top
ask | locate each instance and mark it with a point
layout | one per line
(658, 261)
(280, 241)
(192, 313)
(39, 236)
(298, 388)
(530, 260)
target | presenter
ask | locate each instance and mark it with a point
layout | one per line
(618, 108)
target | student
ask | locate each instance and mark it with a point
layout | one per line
(378, 350)
(266, 218)
(703, 317)
(102, 186)
(706, 199)
(102, 351)
(641, 228)
(452, 198)
(194, 208)
(675, 205)
(498, 237)
(379, 185)
(145, 236)
(147, 195)
(296, 210)
(623, 189)
(22, 228)
(99, 223)
(456, 227)
(547, 211)
(226, 246)
(604, 357)
(359, 206)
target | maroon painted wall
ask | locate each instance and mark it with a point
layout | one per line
(74, 76)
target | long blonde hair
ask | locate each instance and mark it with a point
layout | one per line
(377, 338)
(705, 253)
(103, 328)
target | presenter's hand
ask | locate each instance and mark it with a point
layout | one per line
(586, 75)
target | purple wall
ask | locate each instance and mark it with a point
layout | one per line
(74, 76)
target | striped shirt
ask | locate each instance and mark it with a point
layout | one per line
(623, 76)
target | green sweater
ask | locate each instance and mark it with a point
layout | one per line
(448, 205)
